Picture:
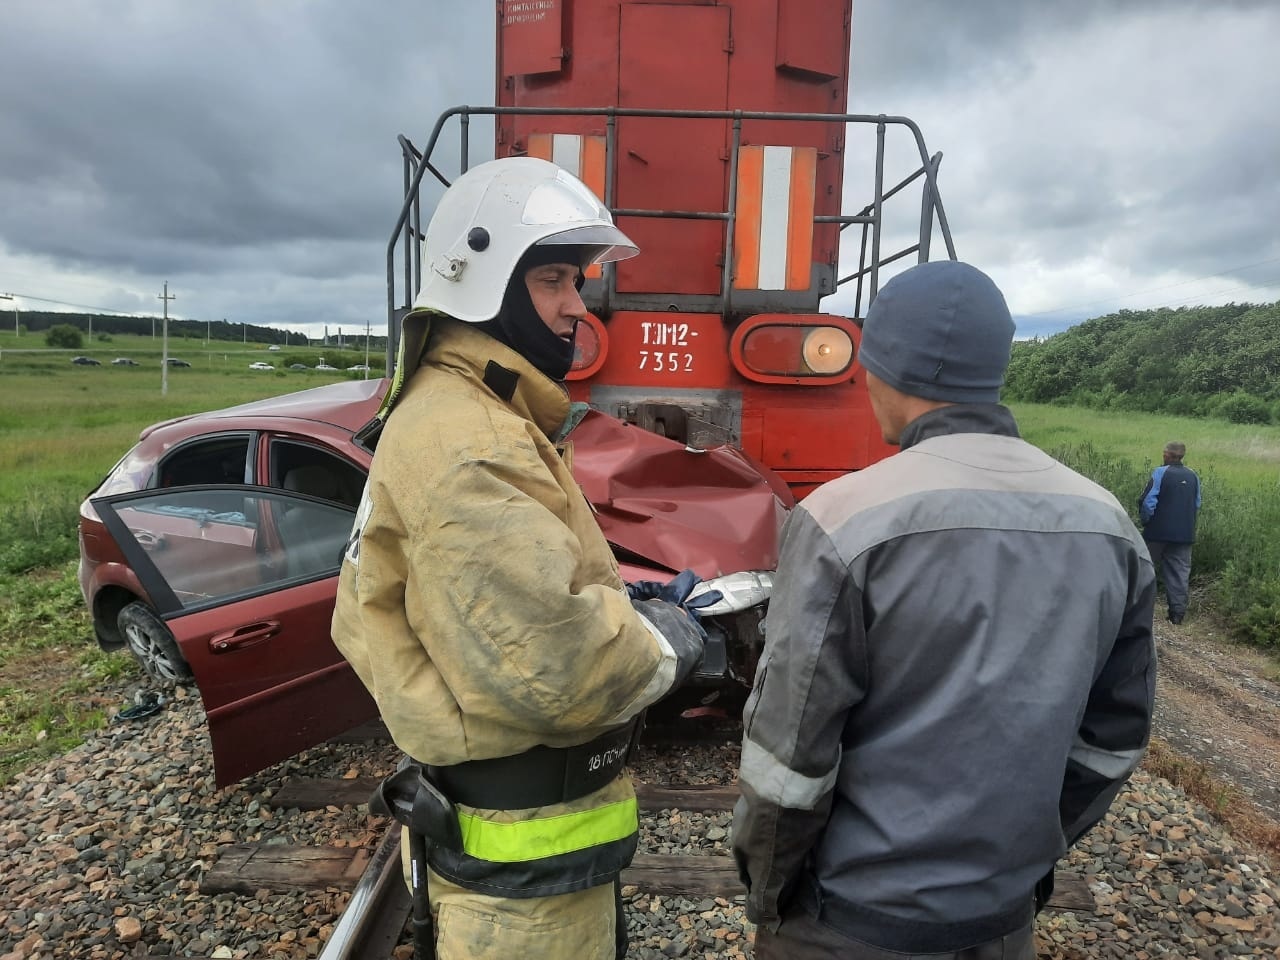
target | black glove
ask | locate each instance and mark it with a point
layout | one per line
(676, 591)
(678, 628)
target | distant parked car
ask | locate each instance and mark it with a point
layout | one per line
(324, 366)
(359, 366)
(124, 362)
(85, 362)
(259, 365)
(298, 366)
(274, 346)
(175, 362)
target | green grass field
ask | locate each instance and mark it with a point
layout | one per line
(66, 425)
(63, 426)
(1236, 561)
(1237, 454)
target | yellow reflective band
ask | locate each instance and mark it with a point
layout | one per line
(548, 836)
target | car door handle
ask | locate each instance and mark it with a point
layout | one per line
(245, 636)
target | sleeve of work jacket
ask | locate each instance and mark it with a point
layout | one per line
(516, 611)
(812, 673)
(1117, 720)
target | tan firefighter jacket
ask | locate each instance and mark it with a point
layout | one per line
(478, 600)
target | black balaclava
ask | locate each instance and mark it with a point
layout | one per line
(518, 324)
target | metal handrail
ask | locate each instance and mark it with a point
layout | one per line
(417, 165)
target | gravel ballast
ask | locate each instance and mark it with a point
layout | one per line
(104, 848)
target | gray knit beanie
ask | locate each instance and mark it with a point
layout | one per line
(940, 331)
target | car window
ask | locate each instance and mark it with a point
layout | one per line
(207, 549)
(222, 459)
(303, 468)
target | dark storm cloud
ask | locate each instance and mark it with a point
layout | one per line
(244, 148)
(1094, 151)
(245, 151)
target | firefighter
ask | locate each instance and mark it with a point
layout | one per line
(478, 599)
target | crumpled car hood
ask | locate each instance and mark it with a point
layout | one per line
(665, 505)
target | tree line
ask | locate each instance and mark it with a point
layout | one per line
(42, 321)
(1193, 361)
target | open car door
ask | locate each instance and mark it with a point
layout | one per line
(245, 577)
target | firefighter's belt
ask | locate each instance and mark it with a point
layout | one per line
(539, 777)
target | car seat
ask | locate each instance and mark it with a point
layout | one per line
(313, 537)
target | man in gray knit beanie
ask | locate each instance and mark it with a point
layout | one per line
(939, 333)
(958, 671)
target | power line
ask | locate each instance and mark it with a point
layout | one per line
(63, 303)
(1269, 284)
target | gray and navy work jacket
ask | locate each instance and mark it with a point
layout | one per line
(958, 677)
(1169, 504)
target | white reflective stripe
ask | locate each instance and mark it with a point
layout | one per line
(566, 152)
(775, 782)
(660, 683)
(1112, 764)
(775, 218)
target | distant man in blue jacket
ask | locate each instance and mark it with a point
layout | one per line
(1168, 509)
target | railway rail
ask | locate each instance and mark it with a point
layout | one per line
(107, 847)
(374, 922)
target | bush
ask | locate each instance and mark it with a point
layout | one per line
(1254, 599)
(64, 337)
(1118, 475)
(38, 532)
(1241, 407)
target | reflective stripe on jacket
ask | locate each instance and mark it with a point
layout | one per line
(482, 607)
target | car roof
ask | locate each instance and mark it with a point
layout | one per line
(349, 405)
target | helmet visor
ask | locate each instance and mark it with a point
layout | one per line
(604, 243)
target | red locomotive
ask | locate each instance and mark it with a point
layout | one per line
(716, 133)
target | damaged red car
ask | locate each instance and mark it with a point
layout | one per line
(212, 549)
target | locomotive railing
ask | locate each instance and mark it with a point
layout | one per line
(406, 239)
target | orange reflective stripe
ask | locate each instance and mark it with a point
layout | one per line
(581, 156)
(593, 164)
(593, 176)
(540, 146)
(746, 233)
(804, 178)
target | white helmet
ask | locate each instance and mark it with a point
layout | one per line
(491, 216)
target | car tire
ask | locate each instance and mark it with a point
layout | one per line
(155, 647)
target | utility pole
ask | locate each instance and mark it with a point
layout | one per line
(164, 350)
(13, 302)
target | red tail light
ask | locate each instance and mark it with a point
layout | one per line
(803, 350)
(590, 347)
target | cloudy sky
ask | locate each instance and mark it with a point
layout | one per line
(1097, 154)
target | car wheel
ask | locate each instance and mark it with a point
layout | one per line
(153, 645)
